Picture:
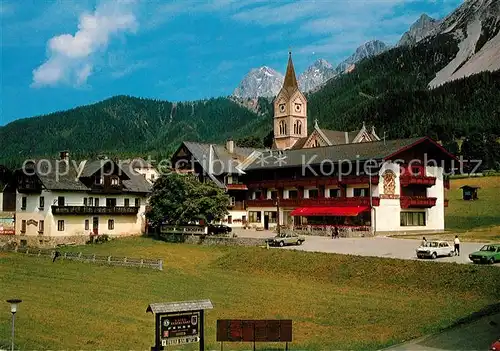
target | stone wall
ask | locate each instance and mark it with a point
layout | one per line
(214, 240)
(41, 241)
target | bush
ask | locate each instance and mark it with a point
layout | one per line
(102, 238)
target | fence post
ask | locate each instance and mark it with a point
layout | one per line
(109, 259)
(124, 260)
(79, 255)
(65, 255)
(93, 258)
(39, 253)
(142, 262)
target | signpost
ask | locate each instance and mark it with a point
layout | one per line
(179, 323)
(237, 330)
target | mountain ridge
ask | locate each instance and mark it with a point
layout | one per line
(310, 80)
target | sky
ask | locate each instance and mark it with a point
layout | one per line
(59, 54)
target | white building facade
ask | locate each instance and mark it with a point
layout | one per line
(79, 204)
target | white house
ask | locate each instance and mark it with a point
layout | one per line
(62, 201)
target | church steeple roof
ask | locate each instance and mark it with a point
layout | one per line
(290, 83)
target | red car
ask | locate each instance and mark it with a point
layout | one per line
(495, 346)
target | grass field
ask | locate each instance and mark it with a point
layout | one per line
(482, 213)
(335, 301)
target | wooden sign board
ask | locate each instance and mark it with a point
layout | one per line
(237, 330)
(180, 328)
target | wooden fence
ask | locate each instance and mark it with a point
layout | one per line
(92, 258)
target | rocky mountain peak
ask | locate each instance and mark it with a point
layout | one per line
(369, 49)
(424, 26)
(263, 81)
(315, 75)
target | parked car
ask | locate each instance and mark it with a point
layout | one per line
(434, 249)
(286, 239)
(218, 229)
(487, 254)
(495, 346)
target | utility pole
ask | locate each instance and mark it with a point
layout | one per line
(278, 213)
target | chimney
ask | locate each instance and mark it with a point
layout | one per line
(64, 155)
(230, 146)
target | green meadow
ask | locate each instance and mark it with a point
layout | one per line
(335, 301)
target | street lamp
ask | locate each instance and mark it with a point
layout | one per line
(13, 310)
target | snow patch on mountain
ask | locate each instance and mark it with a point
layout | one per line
(316, 75)
(263, 81)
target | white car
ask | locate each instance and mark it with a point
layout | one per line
(434, 249)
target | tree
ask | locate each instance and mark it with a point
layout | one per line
(452, 147)
(268, 139)
(474, 150)
(182, 199)
(250, 141)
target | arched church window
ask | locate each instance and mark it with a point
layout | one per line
(286, 129)
(316, 143)
(299, 127)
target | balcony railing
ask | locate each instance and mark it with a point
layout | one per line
(417, 202)
(237, 206)
(312, 182)
(94, 210)
(418, 180)
(326, 201)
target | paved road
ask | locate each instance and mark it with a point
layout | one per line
(377, 246)
(478, 335)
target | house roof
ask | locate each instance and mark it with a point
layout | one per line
(182, 306)
(65, 176)
(201, 152)
(377, 150)
(299, 144)
(337, 137)
(470, 187)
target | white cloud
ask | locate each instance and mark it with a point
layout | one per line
(71, 57)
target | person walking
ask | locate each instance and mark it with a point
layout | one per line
(336, 232)
(457, 245)
(424, 241)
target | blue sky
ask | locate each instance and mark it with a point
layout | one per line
(60, 54)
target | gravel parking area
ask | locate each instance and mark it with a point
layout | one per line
(377, 246)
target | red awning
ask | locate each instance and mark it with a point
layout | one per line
(329, 211)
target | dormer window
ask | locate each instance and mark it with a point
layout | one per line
(99, 180)
(115, 181)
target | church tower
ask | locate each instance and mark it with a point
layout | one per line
(290, 111)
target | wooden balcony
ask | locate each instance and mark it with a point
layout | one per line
(417, 202)
(94, 210)
(312, 182)
(237, 206)
(418, 180)
(326, 201)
